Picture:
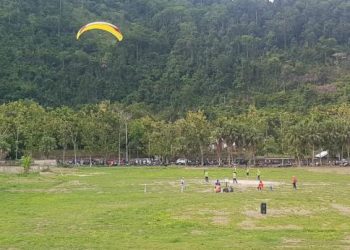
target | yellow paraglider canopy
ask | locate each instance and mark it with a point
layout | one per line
(114, 30)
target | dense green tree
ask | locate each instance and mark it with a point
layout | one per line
(5, 134)
(62, 128)
(194, 134)
(47, 144)
(89, 125)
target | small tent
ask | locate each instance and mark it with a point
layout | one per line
(322, 154)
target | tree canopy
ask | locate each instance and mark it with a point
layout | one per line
(177, 55)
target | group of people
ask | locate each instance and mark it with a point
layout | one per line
(218, 188)
(226, 189)
(261, 184)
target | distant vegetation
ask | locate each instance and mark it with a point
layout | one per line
(189, 78)
(178, 55)
(112, 130)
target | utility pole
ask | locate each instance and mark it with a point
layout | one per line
(149, 148)
(126, 142)
(119, 147)
(282, 134)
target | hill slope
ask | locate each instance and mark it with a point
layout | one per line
(177, 55)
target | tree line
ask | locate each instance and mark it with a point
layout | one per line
(112, 129)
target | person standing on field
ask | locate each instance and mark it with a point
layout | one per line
(217, 186)
(294, 182)
(258, 174)
(206, 176)
(261, 185)
(234, 177)
(247, 172)
(182, 184)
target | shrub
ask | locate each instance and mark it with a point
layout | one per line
(26, 161)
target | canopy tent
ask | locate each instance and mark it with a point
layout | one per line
(322, 154)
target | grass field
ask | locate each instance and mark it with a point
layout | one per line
(107, 208)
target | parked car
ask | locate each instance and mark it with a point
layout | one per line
(141, 161)
(181, 161)
(342, 162)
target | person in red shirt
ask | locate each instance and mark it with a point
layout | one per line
(217, 186)
(261, 185)
(294, 182)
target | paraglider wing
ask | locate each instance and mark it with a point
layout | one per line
(114, 30)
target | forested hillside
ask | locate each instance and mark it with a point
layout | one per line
(177, 55)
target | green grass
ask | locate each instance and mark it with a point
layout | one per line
(106, 208)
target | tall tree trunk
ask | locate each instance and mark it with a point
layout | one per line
(202, 155)
(219, 150)
(254, 160)
(126, 143)
(229, 155)
(119, 147)
(298, 157)
(17, 138)
(342, 152)
(64, 153)
(75, 153)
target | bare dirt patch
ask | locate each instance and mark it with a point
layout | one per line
(254, 216)
(216, 217)
(251, 225)
(71, 185)
(342, 209)
(32, 190)
(197, 232)
(63, 170)
(249, 183)
(86, 175)
(200, 186)
(177, 183)
(338, 170)
(220, 218)
(346, 240)
(247, 225)
(48, 173)
(278, 212)
(291, 242)
(284, 227)
(41, 226)
(317, 184)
